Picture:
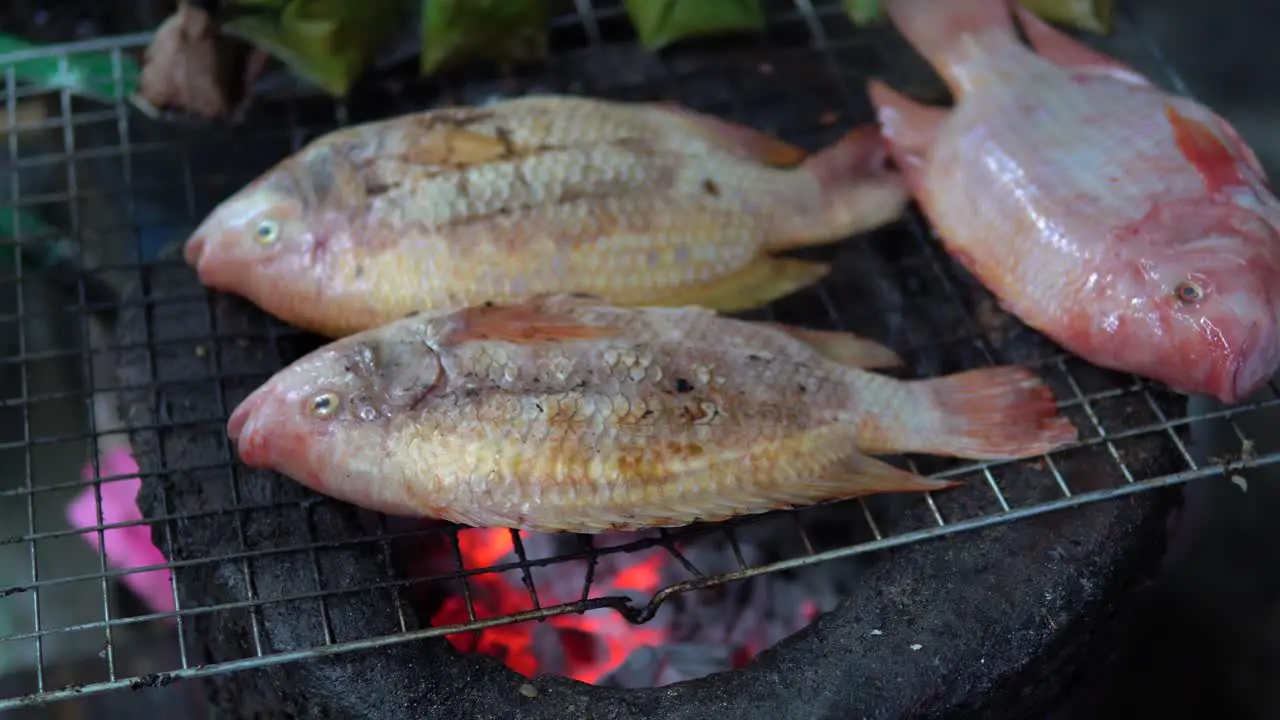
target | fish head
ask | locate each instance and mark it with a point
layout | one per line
(331, 415)
(1211, 299)
(260, 229)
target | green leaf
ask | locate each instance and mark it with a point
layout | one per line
(92, 74)
(1092, 15)
(462, 31)
(41, 243)
(864, 12)
(662, 22)
(329, 43)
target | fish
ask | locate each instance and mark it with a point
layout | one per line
(1132, 226)
(563, 413)
(637, 202)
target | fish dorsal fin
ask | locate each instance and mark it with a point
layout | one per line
(1206, 151)
(739, 138)
(533, 321)
(1067, 52)
(844, 348)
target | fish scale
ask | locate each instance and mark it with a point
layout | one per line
(564, 414)
(639, 203)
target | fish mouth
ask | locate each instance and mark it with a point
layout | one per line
(194, 250)
(243, 429)
(1258, 367)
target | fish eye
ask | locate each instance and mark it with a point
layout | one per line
(324, 405)
(1189, 291)
(268, 231)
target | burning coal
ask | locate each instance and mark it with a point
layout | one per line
(692, 634)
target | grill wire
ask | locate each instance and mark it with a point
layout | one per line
(822, 34)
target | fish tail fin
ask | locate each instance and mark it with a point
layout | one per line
(997, 413)
(946, 32)
(860, 191)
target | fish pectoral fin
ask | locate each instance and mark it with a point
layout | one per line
(864, 475)
(755, 144)
(1066, 51)
(762, 281)
(909, 127)
(845, 348)
(533, 321)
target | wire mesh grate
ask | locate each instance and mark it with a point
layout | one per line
(117, 185)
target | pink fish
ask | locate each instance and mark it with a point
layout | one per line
(1132, 226)
(567, 414)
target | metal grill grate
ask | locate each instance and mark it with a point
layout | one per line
(1133, 436)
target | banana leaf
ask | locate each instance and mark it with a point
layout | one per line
(465, 31)
(329, 43)
(91, 74)
(863, 12)
(662, 22)
(1091, 15)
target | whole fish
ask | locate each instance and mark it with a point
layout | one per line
(1132, 226)
(639, 203)
(561, 413)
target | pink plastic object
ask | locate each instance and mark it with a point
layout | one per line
(126, 547)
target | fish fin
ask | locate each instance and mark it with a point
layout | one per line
(993, 413)
(762, 281)
(1206, 151)
(909, 128)
(1243, 150)
(1068, 52)
(864, 475)
(533, 321)
(860, 192)
(844, 348)
(753, 143)
(947, 34)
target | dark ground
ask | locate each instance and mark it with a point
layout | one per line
(1207, 643)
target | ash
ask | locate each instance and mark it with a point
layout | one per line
(693, 633)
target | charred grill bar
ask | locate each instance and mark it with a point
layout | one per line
(290, 602)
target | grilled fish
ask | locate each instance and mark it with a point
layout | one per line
(1132, 226)
(639, 203)
(561, 413)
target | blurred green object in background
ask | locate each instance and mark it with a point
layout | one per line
(329, 43)
(662, 22)
(863, 12)
(1092, 15)
(496, 31)
(91, 74)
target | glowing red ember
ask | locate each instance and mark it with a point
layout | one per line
(594, 644)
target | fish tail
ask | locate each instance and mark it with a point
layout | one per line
(946, 32)
(997, 413)
(859, 189)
